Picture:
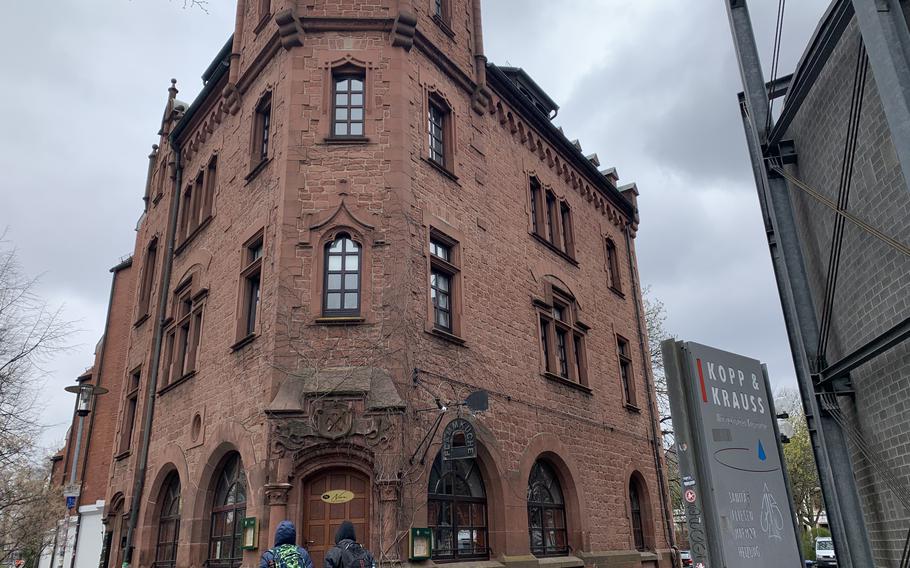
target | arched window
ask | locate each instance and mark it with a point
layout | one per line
(228, 510)
(546, 512)
(638, 529)
(342, 277)
(168, 524)
(457, 510)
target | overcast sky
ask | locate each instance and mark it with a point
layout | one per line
(650, 85)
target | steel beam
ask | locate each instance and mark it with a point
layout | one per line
(887, 40)
(866, 353)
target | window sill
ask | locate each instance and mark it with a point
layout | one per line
(254, 171)
(632, 408)
(444, 26)
(554, 249)
(340, 140)
(618, 292)
(445, 335)
(176, 383)
(262, 23)
(442, 169)
(340, 320)
(123, 455)
(246, 340)
(141, 319)
(198, 229)
(157, 198)
(566, 382)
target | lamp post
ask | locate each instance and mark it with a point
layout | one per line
(85, 394)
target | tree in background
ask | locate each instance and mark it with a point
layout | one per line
(30, 332)
(804, 483)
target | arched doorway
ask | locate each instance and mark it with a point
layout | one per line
(321, 517)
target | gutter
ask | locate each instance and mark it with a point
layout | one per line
(504, 86)
(152, 388)
(655, 435)
(212, 76)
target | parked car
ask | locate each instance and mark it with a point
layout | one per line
(824, 552)
(686, 557)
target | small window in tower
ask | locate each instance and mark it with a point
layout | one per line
(348, 104)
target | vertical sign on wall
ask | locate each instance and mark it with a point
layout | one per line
(734, 486)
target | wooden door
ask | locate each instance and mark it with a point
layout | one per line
(322, 519)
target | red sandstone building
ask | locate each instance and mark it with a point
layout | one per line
(355, 225)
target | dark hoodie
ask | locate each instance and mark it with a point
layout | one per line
(285, 534)
(345, 538)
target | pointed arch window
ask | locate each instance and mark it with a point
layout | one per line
(168, 524)
(228, 510)
(342, 277)
(457, 510)
(638, 531)
(546, 512)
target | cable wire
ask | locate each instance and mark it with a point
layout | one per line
(775, 58)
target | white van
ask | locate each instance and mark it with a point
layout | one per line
(824, 552)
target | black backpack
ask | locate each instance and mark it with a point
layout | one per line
(356, 556)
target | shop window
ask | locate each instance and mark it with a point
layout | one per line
(546, 512)
(457, 510)
(228, 511)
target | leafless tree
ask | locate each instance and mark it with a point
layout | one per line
(30, 332)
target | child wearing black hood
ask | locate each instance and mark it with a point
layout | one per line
(286, 553)
(347, 552)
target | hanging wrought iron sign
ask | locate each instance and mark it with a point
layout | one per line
(459, 441)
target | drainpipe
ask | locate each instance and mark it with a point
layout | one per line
(655, 435)
(152, 388)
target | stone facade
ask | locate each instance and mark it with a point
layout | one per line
(873, 279)
(306, 399)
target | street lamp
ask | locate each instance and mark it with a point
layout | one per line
(85, 392)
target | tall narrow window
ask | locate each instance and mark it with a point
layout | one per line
(638, 532)
(342, 277)
(186, 207)
(261, 128)
(625, 369)
(441, 13)
(228, 510)
(613, 267)
(348, 104)
(552, 220)
(546, 512)
(251, 277)
(265, 8)
(457, 510)
(562, 340)
(148, 277)
(437, 132)
(535, 206)
(443, 282)
(211, 175)
(129, 411)
(568, 241)
(168, 524)
(183, 335)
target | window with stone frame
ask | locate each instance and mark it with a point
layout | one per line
(445, 287)
(613, 271)
(551, 218)
(251, 286)
(262, 123)
(130, 406)
(562, 339)
(183, 334)
(148, 279)
(348, 102)
(441, 11)
(228, 511)
(457, 510)
(197, 200)
(439, 132)
(342, 278)
(546, 512)
(623, 351)
(265, 9)
(635, 510)
(168, 524)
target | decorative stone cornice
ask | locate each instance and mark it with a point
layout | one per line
(404, 29)
(290, 29)
(277, 493)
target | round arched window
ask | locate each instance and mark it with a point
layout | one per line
(168, 523)
(228, 510)
(457, 510)
(546, 512)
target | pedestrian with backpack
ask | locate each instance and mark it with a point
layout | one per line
(286, 553)
(347, 552)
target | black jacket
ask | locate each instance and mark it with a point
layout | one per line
(333, 558)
